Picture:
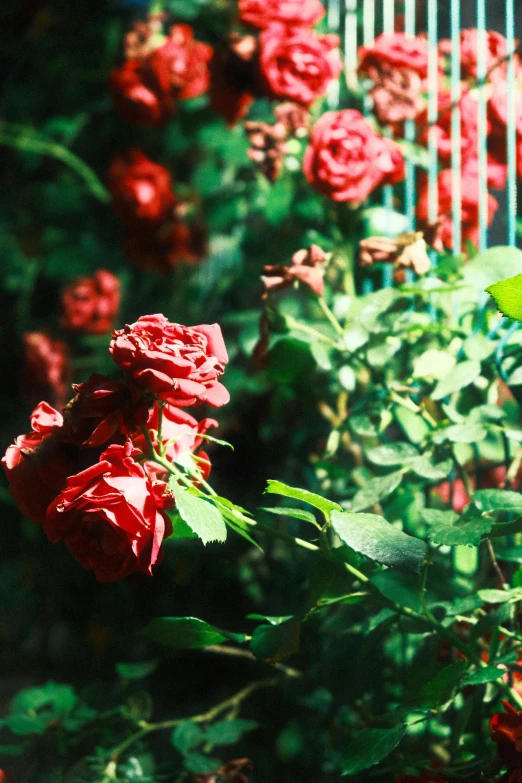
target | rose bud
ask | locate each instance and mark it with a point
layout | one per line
(140, 94)
(141, 189)
(90, 304)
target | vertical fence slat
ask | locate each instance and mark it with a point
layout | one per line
(456, 147)
(350, 44)
(334, 26)
(482, 124)
(511, 128)
(388, 27)
(409, 129)
(433, 90)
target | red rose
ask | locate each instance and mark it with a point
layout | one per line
(101, 411)
(35, 465)
(470, 207)
(234, 77)
(90, 304)
(297, 63)
(111, 516)
(180, 364)
(139, 93)
(347, 160)
(141, 189)
(397, 50)
(298, 13)
(496, 50)
(168, 245)
(506, 733)
(498, 117)
(45, 369)
(183, 61)
(181, 435)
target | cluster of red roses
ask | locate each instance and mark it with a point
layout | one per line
(159, 70)
(158, 235)
(286, 61)
(89, 475)
(397, 65)
(89, 305)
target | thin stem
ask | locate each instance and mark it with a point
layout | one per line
(494, 563)
(205, 717)
(295, 324)
(285, 537)
(331, 317)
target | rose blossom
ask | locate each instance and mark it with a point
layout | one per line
(111, 516)
(141, 189)
(90, 304)
(139, 94)
(469, 207)
(297, 63)
(35, 465)
(234, 77)
(183, 62)
(397, 64)
(346, 160)
(496, 51)
(173, 242)
(45, 368)
(298, 13)
(178, 363)
(506, 733)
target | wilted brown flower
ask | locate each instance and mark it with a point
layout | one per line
(268, 147)
(407, 251)
(295, 118)
(307, 267)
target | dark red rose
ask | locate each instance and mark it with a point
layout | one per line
(102, 412)
(141, 189)
(140, 94)
(470, 207)
(181, 434)
(234, 77)
(111, 516)
(178, 363)
(90, 304)
(183, 61)
(506, 733)
(297, 13)
(45, 369)
(307, 267)
(232, 772)
(297, 64)
(35, 465)
(173, 242)
(346, 160)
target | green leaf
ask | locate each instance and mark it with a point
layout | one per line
(187, 633)
(274, 643)
(426, 469)
(487, 674)
(488, 500)
(413, 426)
(392, 455)
(370, 747)
(384, 222)
(180, 529)
(33, 709)
(324, 505)
(434, 365)
(448, 529)
(187, 736)
(136, 671)
(499, 596)
(492, 266)
(375, 490)
(460, 377)
(295, 513)
(417, 154)
(280, 200)
(440, 689)
(373, 537)
(200, 515)
(479, 347)
(508, 296)
(271, 619)
(329, 580)
(468, 432)
(199, 764)
(228, 732)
